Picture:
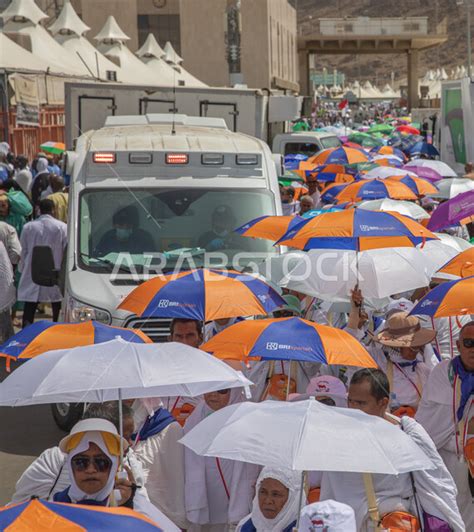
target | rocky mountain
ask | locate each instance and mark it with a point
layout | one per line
(378, 68)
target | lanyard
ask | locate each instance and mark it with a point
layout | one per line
(390, 376)
(227, 492)
(460, 427)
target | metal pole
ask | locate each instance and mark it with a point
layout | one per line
(469, 45)
(120, 409)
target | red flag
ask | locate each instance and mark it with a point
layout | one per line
(343, 104)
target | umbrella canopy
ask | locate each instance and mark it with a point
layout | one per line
(452, 298)
(438, 166)
(332, 168)
(380, 273)
(41, 516)
(288, 339)
(332, 177)
(407, 208)
(424, 172)
(457, 243)
(375, 189)
(43, 336)
(306, 436)
(340, 155)
(365, 139)
(53, 147)
(421, 187)
(203, 295)
(462, 265)
(104, 372)
(356, 229)
(458, 210)
(329, 194)
(423, 148)
(388, 150)
(388, 160)
(268, 227)
(452, 187)
(438, 252)
(385, 129)
(409, 130)
(383, 172)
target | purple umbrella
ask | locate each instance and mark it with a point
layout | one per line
(424, 172)
(459, 210)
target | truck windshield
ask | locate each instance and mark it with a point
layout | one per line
(330, 142)
(130, 230)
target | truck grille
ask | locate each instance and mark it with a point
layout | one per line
(157, 329)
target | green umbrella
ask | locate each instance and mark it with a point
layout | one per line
(364, 139)
(385, 129)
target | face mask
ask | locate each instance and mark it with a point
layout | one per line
(123, 233)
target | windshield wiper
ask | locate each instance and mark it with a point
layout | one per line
(105, 262)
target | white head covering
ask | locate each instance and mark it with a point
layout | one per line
(4, 148)
(75, 493)
(41, 165)
(327, 516)
(289, 512)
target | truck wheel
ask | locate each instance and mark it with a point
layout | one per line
(66, 415)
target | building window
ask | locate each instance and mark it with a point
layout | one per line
(164, 28)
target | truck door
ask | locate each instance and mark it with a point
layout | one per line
(153, 105)
(93, 110)
(227, 111)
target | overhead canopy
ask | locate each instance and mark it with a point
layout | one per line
(68, 22)
(173, 59)
(15, 57)
(111, 32)
(152, 55)
(26, 9)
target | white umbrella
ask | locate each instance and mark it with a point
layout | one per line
(274, 268)
(439, 166)
(383, 172)
(380, 272)
(306, 436)
(438, 252)
(449, 188)
(406, 208)
(459, 244)
(117, 370)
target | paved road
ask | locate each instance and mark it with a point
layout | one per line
(25, 432)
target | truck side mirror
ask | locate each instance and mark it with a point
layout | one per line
(43, 271)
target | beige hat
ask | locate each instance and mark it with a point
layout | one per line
(403, 330)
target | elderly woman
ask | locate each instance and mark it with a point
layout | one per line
(218, 492)
(276, 502)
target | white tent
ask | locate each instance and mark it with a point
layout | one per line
(14, 57)
(21, 24)
(152, 55)
(173, 59)
(111, 42)
(69, 30)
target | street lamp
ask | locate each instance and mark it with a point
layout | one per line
(468, 4)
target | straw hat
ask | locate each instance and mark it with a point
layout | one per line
(402, 330)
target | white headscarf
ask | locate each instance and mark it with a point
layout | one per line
(75, 493)
(41, 165)
(289, 512)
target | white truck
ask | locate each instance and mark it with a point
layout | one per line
(304, 142)
(153, 194)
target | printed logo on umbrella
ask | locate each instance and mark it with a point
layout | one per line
(426, 303)
(14, 343)
(166, 303)
(367, 228)
(275, 346)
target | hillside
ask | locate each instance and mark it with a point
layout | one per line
(378, 68)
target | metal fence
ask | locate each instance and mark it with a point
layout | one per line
(26, 140)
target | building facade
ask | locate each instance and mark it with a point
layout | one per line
(198, 31)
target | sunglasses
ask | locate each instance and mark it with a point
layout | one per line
(468, 342)
(81, 463)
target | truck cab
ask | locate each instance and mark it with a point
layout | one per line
(155, 194)
(304, 143)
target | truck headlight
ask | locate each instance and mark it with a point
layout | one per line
(77, 311)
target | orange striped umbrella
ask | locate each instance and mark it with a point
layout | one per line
(421, 187)
(340, 155)
(368, 189)
(461, 265)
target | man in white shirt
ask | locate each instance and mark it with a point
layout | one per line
(369, 391)
(44, 231)
(446, 411)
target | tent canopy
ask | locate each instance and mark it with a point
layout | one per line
(68, 22)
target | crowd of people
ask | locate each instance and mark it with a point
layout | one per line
(423, 384)
(33, 211)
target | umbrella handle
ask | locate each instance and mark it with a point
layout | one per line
(300, 502)
(120, 409)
